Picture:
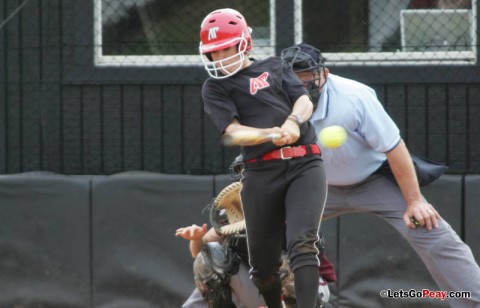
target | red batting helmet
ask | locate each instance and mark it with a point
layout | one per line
(219, 30)
(224, 28)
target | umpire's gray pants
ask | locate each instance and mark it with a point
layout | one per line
(448, 259)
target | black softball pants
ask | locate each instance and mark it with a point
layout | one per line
(282, 199)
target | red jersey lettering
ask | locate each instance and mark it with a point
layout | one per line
(259, 83)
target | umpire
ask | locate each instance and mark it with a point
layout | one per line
(357, 173)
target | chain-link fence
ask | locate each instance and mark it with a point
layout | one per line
(104, 86)
(349, 32)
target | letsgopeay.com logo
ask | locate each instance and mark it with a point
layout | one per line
(424, 293)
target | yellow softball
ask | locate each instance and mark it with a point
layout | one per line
(333, 136)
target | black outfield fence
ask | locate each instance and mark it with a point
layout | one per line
(109, 241)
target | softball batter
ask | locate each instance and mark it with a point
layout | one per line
(284, 187)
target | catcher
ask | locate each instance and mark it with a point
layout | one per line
(221, 258)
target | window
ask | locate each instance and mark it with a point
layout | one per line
(362, 32)
(166, 32)
(402, 32)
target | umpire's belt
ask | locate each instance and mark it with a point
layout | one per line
(288, 153)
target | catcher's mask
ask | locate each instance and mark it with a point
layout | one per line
(226, 214)
(306, 58)
(236, 168)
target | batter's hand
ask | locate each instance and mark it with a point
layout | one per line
(421, 214)
(192, 233)
(290, 134)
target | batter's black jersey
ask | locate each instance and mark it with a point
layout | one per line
(262, 96)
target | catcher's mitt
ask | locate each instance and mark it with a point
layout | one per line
(228, 202)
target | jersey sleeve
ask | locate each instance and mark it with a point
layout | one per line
(377, 127)
(292, 85)
(218, 105)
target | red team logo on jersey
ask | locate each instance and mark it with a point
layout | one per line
(259, 83)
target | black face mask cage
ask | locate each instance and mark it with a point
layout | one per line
(311, 84)
(303, 62)
(300, 60)
(236, 168)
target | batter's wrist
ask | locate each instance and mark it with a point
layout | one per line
(296, 119)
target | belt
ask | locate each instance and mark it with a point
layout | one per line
(288, 153)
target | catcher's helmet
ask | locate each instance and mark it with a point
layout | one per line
(221, 29)
(236, 168)
(306, 58)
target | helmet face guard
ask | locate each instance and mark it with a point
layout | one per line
(219, 70)
(219, 30)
